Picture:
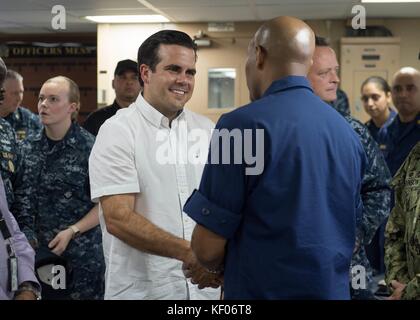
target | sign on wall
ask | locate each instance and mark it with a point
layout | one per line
(19, 49)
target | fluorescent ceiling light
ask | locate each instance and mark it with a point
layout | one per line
(389, 1)
(128, 18)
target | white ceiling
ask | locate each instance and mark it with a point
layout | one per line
(34, 16)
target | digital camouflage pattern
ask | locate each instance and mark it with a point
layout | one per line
(341, 104)
(8, 158)
(24, 122)
(51, 193)
(402, 238)
(376, 195)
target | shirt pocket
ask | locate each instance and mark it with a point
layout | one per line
(72, 185)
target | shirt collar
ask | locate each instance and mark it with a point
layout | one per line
(152, 115)
(416, 121)
(70, 138)
(116, 105)
(392, 115)
(13, 116)
(287, 83)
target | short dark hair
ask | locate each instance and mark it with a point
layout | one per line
(321, 42)
(379, 81)
(148, 51)
(3, 71)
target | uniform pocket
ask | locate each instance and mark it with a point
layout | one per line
(71, 185)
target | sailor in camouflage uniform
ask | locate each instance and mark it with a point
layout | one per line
(376, 192)
(22, 120)
(402, 238)
(376, 197)
(8, 147)
(52, 196)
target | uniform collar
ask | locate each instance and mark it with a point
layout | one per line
(70, 139)
(13, 116)
(398, 129)
(287, 83)
(415, 122)
(152, 115)
(391, 117)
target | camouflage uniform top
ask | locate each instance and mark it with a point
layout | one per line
(402, 241)
(341, 104)
(8, 158)
(24, 122)
(52, 192)
(376, 194)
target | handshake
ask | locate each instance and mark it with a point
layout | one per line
(200, 275)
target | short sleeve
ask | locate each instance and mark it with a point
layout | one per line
(112, 168)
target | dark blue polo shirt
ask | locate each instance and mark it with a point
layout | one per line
(400, 139)
(291, 228)
(379, 133)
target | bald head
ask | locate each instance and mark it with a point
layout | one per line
(406, 93)
(287, 38)
(281, 47)
(406, 72)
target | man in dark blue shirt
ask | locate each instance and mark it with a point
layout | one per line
(404, 131)
(126, 86)
(282, 226)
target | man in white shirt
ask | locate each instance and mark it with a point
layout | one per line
(145, 163)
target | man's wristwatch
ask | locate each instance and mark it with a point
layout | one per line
(27, 286)
(76, 231)
(219, 270)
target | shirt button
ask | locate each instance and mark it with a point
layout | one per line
(205, 211)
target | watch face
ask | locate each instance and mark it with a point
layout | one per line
(76, 231)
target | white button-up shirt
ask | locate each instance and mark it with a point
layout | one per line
(136, 151)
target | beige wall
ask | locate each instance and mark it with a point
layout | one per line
(408, 30)
(229, 50)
